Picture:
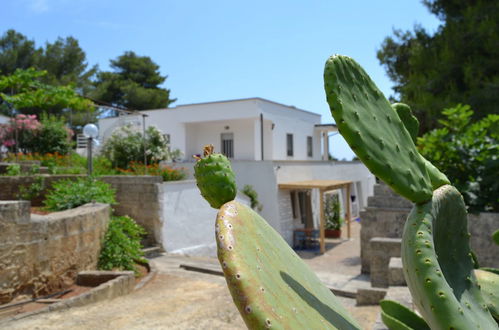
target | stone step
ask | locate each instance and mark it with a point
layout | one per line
(370, 296)
(389, 202)
(381, 189)
(396, 272)
(399, 294)
(382, 249)
(152, 251)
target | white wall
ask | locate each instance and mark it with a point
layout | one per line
(184, 122)
(188, 221)
(294, 121)
(201, 134)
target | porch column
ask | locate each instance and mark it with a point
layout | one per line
(349, 211)
(325, 143)
(322, 222)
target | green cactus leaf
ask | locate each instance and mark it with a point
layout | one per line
(495, 237)
(410, 122)
(437, 178)
(373, 129)
(269, 283)
(489, 284)
(438, 266)
(398, 317)
(490, 269)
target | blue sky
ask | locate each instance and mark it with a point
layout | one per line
(219, 50)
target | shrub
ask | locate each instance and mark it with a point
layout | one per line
(126, 145)
(332, 212)
(68, 194)
(253, 196)
(13, 170)
(50, 135)
(468, 153)
(121, 247)
(166, 172)
(22, 129)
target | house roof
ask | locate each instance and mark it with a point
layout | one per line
(239, 100)
(324, 185)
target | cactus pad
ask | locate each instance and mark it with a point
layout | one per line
(373, 129)
(398, 317)
(215, 178)
(270, 285)
(438, 266)
(489, 283)
(410, 122)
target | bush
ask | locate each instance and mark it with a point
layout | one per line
(121, 247)
(166, 172)
(253, 196)
(68, 194)
(50, 135)
(468, 153)
(332, 212)
(126, 145)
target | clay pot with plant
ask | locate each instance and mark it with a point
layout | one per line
(332, 213)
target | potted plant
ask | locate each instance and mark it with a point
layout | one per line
(332, 213)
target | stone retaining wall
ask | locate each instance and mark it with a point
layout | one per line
(136, 196)
(40, 254)
(387, 212)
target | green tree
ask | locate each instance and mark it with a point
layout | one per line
(24, 92)
(17, 52)
(65, 63)
(64, 60)
(458, 64)
(134, 83)
(468, 153)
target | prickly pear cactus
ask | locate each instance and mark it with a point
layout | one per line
(374, 130)
(215, 178)
(489, 284)
(438, 265)
(270, 285)
(398, 317)
(411, 124)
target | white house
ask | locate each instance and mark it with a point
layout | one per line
(245, 129)
(270, 146)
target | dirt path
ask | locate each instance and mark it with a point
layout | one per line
(180, 299)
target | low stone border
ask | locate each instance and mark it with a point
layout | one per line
(109, 285)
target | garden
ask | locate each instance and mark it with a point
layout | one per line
(39, 164)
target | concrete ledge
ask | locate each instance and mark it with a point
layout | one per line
(396, 272)
(109, 285)
(382, 249)
(371, 296)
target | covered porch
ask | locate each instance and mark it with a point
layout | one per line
(324, 186)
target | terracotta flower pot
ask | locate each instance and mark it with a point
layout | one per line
(333, 233)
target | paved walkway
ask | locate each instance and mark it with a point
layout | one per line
(181, 299)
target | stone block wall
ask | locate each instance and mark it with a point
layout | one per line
(40, 254)
(11, 185)
(139, 198)
(136, 196)
(387, 212)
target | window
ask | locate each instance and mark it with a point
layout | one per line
(289, 144)
(228, 144)
(309, 147)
